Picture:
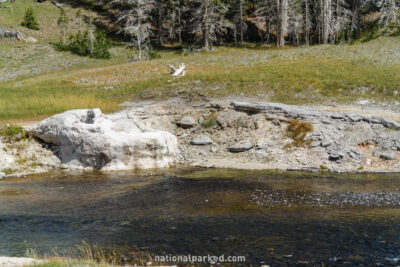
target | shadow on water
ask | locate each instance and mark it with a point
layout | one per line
(269, 217)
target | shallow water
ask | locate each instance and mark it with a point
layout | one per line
(269, 217)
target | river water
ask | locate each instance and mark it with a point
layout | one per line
(272, 218)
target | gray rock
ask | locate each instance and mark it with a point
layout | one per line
(230, 118)
(241, 146)
(354, 117)
(355, 153)
(89, 139)
(315, 144)
(363, 102)
(327, 142)
(337, 116)
(201, 141)
(309, 114)
(387, 155)
(18, 137)
(187, 122)
(335, 154)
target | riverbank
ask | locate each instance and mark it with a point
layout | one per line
(224, 133)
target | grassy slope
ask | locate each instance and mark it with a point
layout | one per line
(40, 81)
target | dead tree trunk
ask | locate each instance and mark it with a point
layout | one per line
(278, 23)
(206, 30)
(307, 30)
(241, 22)
(326, 18)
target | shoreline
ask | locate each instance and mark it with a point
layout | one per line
(235, 135)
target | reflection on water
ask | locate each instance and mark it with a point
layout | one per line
(267, 216)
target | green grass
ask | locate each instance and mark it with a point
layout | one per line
(8, 171)
(46, 15)
(37, 81)
(11, 130)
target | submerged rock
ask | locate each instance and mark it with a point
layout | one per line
(87, 138)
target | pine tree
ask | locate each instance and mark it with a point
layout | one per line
(30, 20)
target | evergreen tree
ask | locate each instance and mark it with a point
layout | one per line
(30, 20)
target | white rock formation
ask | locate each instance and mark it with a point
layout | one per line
(89, 139)
(5, 158)
(17, 262)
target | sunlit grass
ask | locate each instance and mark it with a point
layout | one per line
(304, 75)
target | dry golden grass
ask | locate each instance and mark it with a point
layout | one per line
(298, 130)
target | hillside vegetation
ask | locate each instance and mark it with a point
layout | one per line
(296, 75)
(36, 80)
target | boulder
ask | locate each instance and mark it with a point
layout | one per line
(387, 155)
(201, 141)
(230, 118)
(87, 138)
(31, 40)
(241, 146)
(187, 122)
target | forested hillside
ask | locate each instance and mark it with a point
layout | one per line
(216, 22)
(282, 22)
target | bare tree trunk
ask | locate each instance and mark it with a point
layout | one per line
(326, 17)
(139, 43)
(241, 22)
(356, 17)
(283, 21)
(307, 31)
(235, 34)
(160, 22)
(206, 32)
(278, 23)
(172, 25)
(392, 12)
(180, 25)
(267, 29)
(337, 19)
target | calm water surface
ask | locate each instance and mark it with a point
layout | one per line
(269, 217)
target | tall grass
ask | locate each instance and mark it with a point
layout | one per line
(90, 255)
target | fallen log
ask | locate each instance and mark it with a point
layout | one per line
(16, 35)
(176, 72)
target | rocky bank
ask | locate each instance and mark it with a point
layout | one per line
(220, 133)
